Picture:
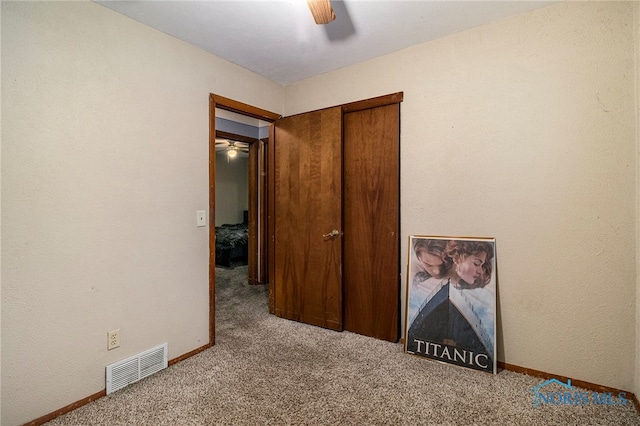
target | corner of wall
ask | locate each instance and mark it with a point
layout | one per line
(636, 12)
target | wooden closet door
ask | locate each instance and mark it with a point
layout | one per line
(307, 194)
(371, 275)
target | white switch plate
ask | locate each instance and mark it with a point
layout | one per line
(201, 218)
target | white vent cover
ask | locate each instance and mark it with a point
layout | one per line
(134, 368)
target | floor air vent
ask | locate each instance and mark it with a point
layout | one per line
(132, 369)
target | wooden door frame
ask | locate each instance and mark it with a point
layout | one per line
(217, 101)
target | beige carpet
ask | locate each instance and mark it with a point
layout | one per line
(266, 370)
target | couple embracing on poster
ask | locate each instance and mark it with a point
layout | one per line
(451, 301)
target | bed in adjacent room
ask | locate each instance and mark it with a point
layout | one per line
(232, 243)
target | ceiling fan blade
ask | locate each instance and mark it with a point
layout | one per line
(322, 11)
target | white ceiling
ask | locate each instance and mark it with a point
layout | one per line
(279, 40)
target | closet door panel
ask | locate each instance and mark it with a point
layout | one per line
(307, 206)
(371, 275)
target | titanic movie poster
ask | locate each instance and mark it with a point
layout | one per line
(451, 301)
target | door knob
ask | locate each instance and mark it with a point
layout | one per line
(331, 234)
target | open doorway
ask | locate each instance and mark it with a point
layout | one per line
(235, 137)
(238, 143)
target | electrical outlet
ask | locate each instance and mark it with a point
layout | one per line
(113, 339)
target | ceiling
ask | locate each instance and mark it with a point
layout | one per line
(279, 39)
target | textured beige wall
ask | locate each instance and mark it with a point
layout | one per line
(524, 130)
(104, 164)
(232, 188)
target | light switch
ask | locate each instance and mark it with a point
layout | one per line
(201, 218)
